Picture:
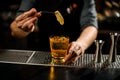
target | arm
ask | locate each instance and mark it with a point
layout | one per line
(78, 47)
(89, 24)
(87, 36)
(89, 32)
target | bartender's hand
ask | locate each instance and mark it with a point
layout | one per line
(75, 51)
(78, 47)
(27, 20)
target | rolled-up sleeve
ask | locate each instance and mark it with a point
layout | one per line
(89, 14)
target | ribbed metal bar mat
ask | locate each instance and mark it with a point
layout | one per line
(15, 55)
(87, 60)
(44, 58)
(41, 58)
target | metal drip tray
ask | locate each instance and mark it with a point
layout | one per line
(40, 58)
(44, 58)
(15, 55)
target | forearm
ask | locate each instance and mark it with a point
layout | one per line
(88, 36)
(17, 32)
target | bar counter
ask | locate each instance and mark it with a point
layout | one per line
(35, 65)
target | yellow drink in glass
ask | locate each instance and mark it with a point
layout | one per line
(59, 47)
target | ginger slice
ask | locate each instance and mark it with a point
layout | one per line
(59, 17)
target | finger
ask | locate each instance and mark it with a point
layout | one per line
(20, 23)
(74, 56)
(77, 47)
(25, 21)
(31, 27)
(29, 13)
(78, 52)
(29, 24)
(75, 59)
(68, 57)
(71, 48)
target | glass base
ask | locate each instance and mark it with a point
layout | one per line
(58, 61)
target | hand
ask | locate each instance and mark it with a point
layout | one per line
(26, 20)
(75, 51)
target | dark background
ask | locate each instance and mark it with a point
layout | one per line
(107, 23)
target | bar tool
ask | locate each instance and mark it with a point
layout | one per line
(113, 49)
(98, 52)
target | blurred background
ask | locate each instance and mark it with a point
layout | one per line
(108, 18)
